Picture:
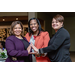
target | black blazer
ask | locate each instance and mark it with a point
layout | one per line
(58, 48)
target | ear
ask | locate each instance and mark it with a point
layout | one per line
(62, 23)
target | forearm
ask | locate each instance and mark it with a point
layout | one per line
(12, 51)
(17, 53)
(48, 49)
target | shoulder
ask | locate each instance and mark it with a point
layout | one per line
(44, 33)
(63, 32)
(11, 37)
(27, 34)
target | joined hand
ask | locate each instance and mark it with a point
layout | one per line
(34, 48)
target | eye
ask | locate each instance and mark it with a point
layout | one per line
(15, 28)
(34, 23)
(57, 21)
(30, 24)
(19, 28)
(52, 22)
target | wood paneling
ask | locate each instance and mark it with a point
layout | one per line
(65, 14)
(13, 18)
(42, 23)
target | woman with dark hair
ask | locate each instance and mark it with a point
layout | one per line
(59, 45)
(39, 38)
(16, 44)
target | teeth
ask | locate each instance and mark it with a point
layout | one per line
(33, 28)
(55, 25)
(17, 32)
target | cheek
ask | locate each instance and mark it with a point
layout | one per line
(14, 31)
(38, 27)
(60, 25)
(52, 25)
(21, 30)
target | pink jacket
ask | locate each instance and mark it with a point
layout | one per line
(41, 41)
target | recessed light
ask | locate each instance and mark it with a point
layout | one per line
(3, 19)
(16, 18)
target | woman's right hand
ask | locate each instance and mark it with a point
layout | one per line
(35, 49)
(29, 48)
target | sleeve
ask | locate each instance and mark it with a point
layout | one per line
(10, 47)
(58, 41)
(46, 40)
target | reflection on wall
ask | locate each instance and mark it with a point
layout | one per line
(3, 34)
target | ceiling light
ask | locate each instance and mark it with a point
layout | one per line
(16, 18)
(3, 19)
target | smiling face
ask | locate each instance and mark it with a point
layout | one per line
(56, 25)
(17, 30)
(57, 22)
(34, 26)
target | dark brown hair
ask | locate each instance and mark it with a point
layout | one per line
(14, 24)
(40, 29)
(59, 18)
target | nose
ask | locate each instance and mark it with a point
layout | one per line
(17, 29)
(54, 22)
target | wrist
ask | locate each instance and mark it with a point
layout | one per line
(41, 51)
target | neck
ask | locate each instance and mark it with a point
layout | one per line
(20, 37)
(36, 33)
(56, 30)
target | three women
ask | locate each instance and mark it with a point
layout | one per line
(58, 47)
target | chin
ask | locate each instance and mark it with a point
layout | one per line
(34, 31)
(55, 28)
(18, 34)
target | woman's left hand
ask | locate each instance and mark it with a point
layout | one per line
(34, 48)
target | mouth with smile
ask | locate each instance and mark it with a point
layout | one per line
(17, 32)
(33, 28)
(55, 25)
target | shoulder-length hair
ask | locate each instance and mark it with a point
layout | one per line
(40, 29)
(14, 23)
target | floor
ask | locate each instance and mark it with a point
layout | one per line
(72, 55)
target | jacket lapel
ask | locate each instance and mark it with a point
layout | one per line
(37, 39)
